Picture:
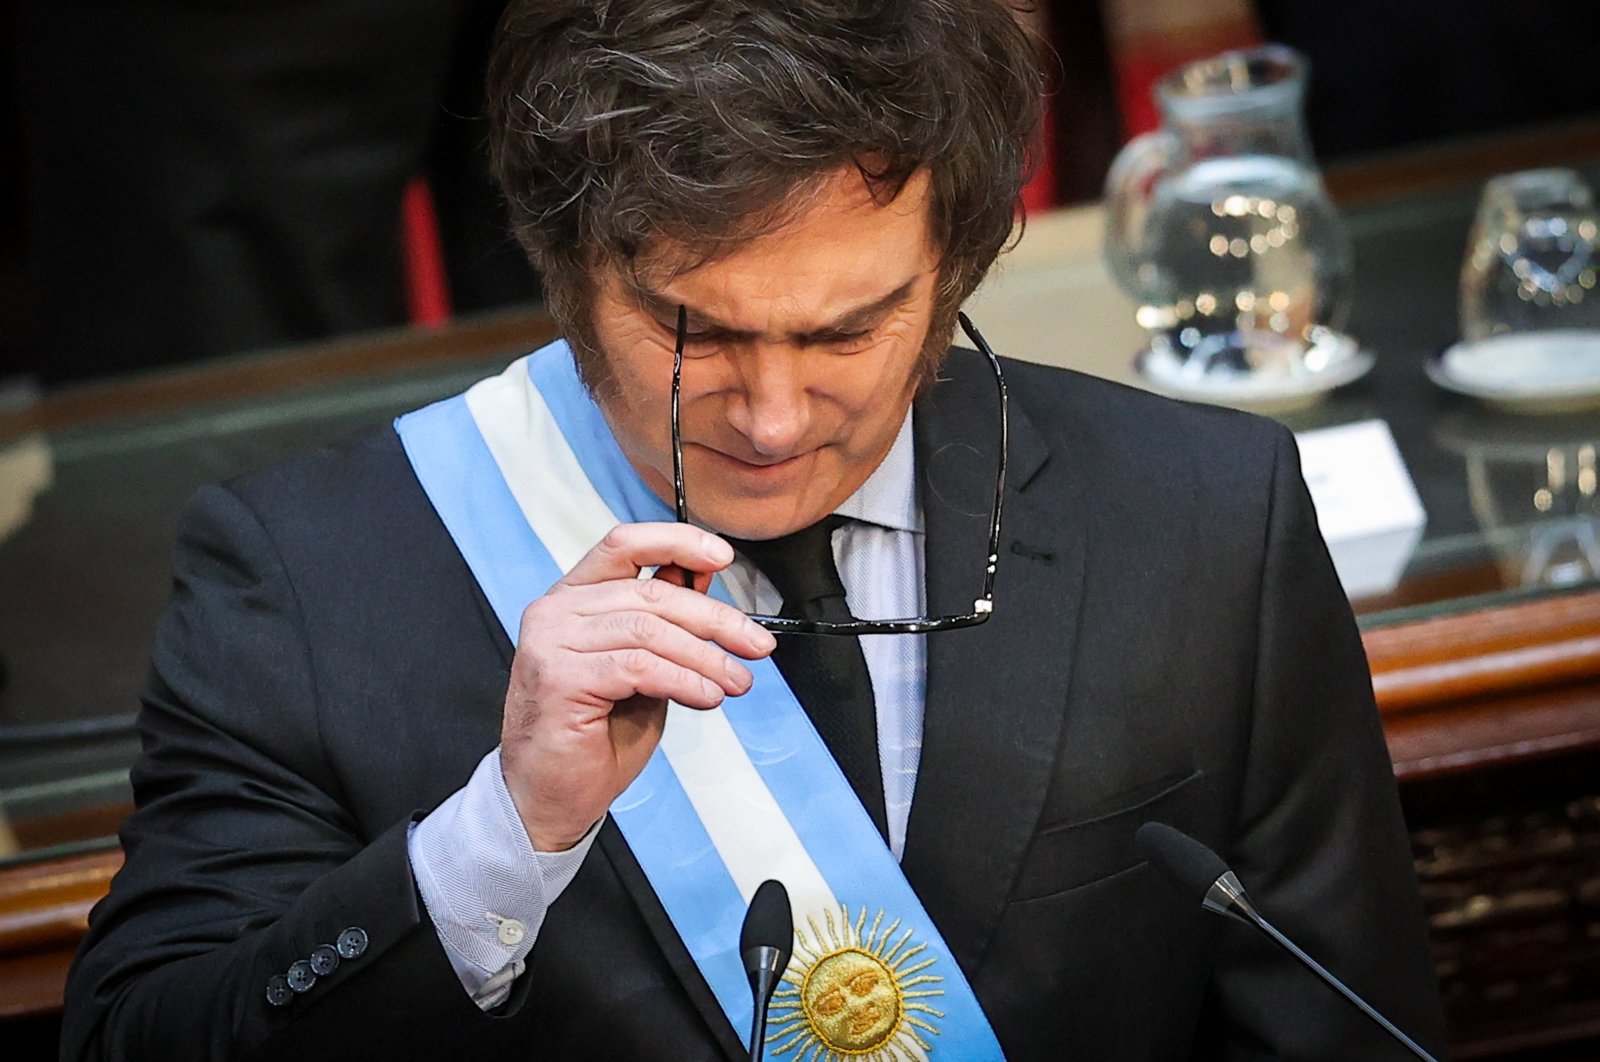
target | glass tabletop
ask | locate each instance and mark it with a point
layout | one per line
(1511, 498)
(87, 513)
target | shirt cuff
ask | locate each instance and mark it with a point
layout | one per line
(485, 888)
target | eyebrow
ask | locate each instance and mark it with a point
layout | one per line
(665, 310)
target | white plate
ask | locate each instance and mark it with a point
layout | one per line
(1333, 361)
(1532, 372)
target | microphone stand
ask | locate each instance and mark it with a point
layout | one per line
(765, 961)
(1253, 917)
(766, 941)
(1190, 863)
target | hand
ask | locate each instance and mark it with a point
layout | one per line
(599, 656)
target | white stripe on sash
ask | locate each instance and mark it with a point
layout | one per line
(740, 814)
(751, 832)
(538, 465)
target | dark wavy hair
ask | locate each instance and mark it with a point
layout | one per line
(618, 123)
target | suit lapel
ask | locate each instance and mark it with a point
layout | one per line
(996, 694)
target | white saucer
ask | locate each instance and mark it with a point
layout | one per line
(1332, 361)
(1525, 372)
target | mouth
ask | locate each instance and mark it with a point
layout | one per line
(759, 467)
(765, 463)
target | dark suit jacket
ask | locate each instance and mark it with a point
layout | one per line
(1169, 642)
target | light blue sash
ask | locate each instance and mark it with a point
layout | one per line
(526, 476)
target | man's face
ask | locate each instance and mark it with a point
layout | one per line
(803, 354)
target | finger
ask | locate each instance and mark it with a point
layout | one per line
(699, 582)
(627, 548)
(623, 673)
(645, 630)
(704, 617)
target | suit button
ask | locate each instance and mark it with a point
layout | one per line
(278, 993)
(352, 943)
(301, 976)
(324, 959)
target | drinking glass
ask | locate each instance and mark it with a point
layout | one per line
(1533, 259)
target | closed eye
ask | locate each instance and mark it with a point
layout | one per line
(843, 341)
(690, 337)
(819, 339)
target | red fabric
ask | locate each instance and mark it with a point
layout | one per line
(1040, 192)
(422, 255)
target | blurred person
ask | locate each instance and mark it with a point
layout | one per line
(208, 176)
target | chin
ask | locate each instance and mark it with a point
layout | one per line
(740, 518)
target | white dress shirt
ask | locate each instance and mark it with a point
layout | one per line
(486, 889)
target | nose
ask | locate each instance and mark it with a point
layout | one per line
(770, 407)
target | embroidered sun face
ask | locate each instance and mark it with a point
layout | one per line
(855, 993)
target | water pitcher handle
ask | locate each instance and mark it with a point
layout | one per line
(1129, 184)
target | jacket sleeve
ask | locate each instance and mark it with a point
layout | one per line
(242, 860)
(1319, 842)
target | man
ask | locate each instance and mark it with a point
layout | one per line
(412, 786)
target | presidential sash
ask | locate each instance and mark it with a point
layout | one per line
(526, 476)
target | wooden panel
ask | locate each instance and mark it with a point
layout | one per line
(1489, 687)
(366, 356)
(43, 904)
(31, 985)
(1482, 654)
(1484, 733)
(78, 825)
(44, 912)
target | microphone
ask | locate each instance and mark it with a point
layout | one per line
(1200, 872)
(765, 943)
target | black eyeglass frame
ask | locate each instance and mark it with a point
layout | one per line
(982, 606)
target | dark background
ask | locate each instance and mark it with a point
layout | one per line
(85, 290)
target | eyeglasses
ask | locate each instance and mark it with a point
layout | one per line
(982, 607)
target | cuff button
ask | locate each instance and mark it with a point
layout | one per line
(324, 959)
(278, 993)
(300, 976)
(352, 943)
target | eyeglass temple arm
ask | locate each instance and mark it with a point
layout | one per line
(677, 442)
(985, 604)
(679, 504)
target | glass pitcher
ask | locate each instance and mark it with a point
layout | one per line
(1218, 224)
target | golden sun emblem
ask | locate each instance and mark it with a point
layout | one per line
(853, 992)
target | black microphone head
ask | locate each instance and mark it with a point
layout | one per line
(769, 923)
(1185, 860)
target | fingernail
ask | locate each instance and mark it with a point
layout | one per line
(712, 690)
(717, 550)
(738, 674)
(763, 638)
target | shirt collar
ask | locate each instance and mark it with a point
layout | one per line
(889, 496)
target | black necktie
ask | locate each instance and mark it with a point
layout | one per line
(827, 673)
